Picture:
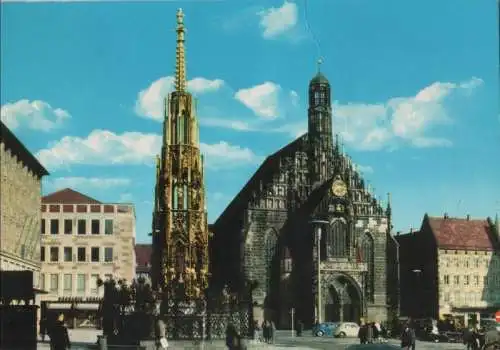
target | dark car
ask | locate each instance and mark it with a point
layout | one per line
(325, 328)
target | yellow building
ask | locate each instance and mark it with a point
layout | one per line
(20, 199)
(83, 240)
(451, 268)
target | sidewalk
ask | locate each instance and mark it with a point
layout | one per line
(86, 338)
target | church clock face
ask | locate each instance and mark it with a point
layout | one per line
(339, 188)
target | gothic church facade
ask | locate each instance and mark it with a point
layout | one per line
(266, 233)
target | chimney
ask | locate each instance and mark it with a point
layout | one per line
(468, 217)
(445, 215)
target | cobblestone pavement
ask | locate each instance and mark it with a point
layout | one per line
(84, 339)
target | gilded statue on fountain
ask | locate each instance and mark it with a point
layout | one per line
(180, 229)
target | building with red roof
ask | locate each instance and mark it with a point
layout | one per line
(450, 266)
(143, 260)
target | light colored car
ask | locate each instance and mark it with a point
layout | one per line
(346, 329)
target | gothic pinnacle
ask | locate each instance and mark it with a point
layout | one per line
(180, 62)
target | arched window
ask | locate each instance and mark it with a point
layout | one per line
(286, 261)
(269, 252)
(336, 241)
(368, 257)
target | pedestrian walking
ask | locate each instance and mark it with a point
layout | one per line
(161, 341)
(43, 328)
(272, 332)
(362, 333)
(58, 333)
(369, 333)
(234, 340)
(266, 331)
(408, 339)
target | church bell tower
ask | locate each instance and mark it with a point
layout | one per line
(180, 229)
(320, 131)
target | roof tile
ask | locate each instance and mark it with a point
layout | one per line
(455, 233)
(68, 196)
(143, 254)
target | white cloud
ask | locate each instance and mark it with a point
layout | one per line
(224, 155)
(127, 198)
(402, 119)
(36, 115)
(150, 101)
(218, 196)
(294, 98)
(276, 21)
(366, 169)
(103, 147)
(238, 125)
(87, 182)
(262, 99)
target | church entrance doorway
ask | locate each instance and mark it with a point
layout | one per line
(343, 302)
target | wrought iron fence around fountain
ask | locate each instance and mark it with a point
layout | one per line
(128, 314)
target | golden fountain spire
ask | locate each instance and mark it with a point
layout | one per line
(180, 63)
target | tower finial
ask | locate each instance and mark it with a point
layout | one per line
(180, 63)
(320, 62)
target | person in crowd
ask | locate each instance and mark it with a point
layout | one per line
(58, 334)
(43, 328)
(234, 340)
(161, 341)
(256, 331)
(266, 331)
(362, 333)
(469, 339)
(408, 339)
(272, 332)
(369, 333)
(299, 328)
(375, 332)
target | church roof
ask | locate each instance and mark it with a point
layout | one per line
(319, 79)
(68, 196)
(267, 168)
(462, 233)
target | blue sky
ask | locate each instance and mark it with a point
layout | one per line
(415, 85)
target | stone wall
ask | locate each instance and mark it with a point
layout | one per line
(20, 199)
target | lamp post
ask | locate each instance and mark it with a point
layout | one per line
(417, 273)
(317, 224)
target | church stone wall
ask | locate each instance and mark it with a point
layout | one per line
(376, 310)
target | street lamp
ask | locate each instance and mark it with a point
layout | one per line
(317, 224)
(417, 273)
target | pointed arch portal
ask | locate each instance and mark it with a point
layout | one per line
(342, 301)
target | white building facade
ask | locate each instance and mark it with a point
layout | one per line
(83, 240)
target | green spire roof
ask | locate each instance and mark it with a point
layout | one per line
(319, 79)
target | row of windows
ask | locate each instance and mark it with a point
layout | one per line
(468, 280)
(81, 254)
(81, 226)
(467, 263)
(465, 252)
(68, 280)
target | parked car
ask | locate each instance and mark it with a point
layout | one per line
(325, 328)
(346, 329)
